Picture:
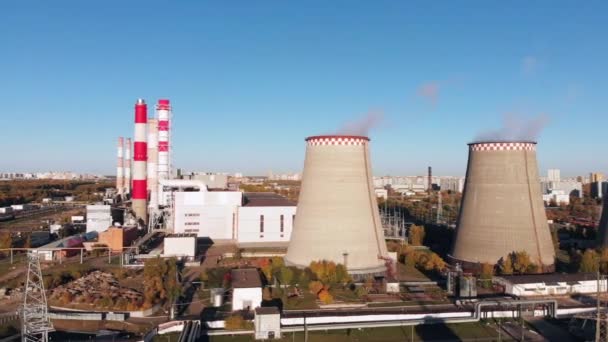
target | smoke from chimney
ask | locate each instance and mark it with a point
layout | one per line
(362, 126)
(515, 128)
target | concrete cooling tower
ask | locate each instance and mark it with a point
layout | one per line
(502, 208)
(337, 216)
(602, 229)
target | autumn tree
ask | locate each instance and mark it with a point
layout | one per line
(521, 262)
(485, 276)
(505, 265)
(325, 297)
(286, 275)
(6, 241)
(416, 235)
(589, 261)
(315, 287)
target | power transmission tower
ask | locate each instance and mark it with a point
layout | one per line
(601, 320)
(35, 320)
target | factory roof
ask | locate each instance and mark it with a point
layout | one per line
(246, 278)
(549, 278)
(268, 310)
(178, 235)
(265, 199)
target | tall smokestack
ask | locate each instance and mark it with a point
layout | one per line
(163, 109)
(153, 162)
(127, 170)
(120, 166)
(602, 229)
(337, 214)
(502, 207)
(430, 180)
(140, 158)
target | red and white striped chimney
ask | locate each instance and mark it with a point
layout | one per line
(163, 110)
(140, 157)
(120, 166)
(127, 170)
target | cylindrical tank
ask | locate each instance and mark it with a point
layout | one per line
(337, 216)
(217, 296)
(502, 208)
(602, 236)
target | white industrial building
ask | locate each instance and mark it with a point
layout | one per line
(246, 289)
(180, 245)
(550, 284)
(267, 322)
(246, 218)
(558, 196)
(99, 217)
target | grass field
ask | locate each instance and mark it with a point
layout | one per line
(449, 332)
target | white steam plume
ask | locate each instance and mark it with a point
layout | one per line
(516, 129)
(362, 126)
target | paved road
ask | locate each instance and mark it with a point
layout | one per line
(550, 331)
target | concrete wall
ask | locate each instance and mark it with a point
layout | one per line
(248, 229)
(337, 208)
(502, 208)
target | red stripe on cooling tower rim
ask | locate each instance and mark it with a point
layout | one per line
(163, 146)
(140, 189)
(140, 151)
(141, 113)
(163, 125)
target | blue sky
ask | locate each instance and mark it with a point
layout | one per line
(249, 80)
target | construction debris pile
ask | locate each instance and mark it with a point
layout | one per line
(100, 289)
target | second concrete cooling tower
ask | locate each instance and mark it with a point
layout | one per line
(602, 230)
(337, 217)
(502, 209)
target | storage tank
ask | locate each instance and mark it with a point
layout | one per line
(337, 215)
(502, 208)
(602, 236)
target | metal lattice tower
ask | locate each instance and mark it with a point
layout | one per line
(35, 320)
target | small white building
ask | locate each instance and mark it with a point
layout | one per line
(550, 284)
(267, 322)
(180, 245)
(99, 217)
(246, 289)
(381, 193)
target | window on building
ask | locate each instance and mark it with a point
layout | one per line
(261, 223)
(282, 223)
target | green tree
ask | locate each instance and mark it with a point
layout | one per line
(286, 275)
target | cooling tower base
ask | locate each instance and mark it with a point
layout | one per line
(360, 273)
(475, 267)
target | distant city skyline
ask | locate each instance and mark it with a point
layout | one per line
(248, 83)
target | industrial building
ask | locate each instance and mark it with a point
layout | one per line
(502, 209)
(338, 218)
(245, 218)
(180, 246)
(550, 284)
(116, 238)
(246, 289)
(99, 217)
